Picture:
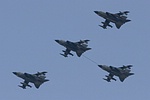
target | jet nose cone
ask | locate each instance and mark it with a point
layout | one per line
(57, 41)
(96, 12)
(14, 73)
(101, 66)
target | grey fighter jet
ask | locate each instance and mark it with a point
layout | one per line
(78, 47)
(121, 72)
(119, 18)
(37, 79)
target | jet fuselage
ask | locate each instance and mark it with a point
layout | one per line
(111, 17)
(29, 77)
(71, 45)
(115, 71)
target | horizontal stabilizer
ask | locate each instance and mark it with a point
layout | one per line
(88, 48)
(126, 12)
(131, 74)
(128, 20)
(46, 80)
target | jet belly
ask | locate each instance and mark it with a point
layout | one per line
(121, 73)
(115, 73)
(33, 79)
(29, 80)
(112, 20)
(71, 46)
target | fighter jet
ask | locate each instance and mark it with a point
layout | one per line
(78, 47)
(121, 72)
(119, 18)
(37, 79)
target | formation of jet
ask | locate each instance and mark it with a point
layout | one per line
(79, 47)
(121, 72)
(119, 18)
(37, 79)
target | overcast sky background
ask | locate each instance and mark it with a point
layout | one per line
(28, 29)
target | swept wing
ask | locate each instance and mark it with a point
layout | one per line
(38, 84)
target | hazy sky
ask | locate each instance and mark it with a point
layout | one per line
(28, 29)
